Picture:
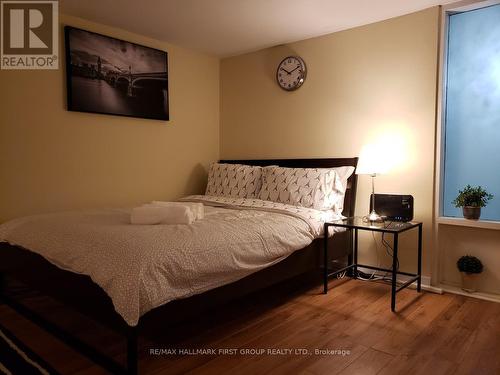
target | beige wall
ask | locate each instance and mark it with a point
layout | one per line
(369, 85)
(52, 159)
(455, 241)
(372, 84)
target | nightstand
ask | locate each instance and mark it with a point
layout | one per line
(355, 224)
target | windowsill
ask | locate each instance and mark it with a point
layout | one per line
(485, 224)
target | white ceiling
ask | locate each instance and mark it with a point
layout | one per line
(230, 27)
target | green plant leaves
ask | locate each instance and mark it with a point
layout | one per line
(472, 196)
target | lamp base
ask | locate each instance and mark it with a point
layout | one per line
(374, 217)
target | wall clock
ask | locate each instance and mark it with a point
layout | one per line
(291, 73)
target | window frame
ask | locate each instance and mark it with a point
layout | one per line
(436, 257)
(446, 12)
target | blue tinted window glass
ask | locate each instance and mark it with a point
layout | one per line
(472, 108)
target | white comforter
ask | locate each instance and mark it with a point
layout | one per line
(143, 267)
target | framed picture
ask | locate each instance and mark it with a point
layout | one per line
(111, 76)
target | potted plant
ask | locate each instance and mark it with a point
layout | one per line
(470, 267)
(471, 199)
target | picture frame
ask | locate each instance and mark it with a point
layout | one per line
(107, 75)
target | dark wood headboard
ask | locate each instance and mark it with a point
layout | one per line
(350, 195)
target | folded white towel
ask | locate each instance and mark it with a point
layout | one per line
(197, 208)
(154, 214)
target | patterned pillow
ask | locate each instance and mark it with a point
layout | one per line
(343, 173)
(234, 180)
(306, 187)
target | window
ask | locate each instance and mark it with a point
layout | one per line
(472, 108)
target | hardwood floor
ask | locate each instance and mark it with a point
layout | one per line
(430, 334)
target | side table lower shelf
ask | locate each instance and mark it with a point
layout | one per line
(354, 225)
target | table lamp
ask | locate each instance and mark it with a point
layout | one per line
(371, 162)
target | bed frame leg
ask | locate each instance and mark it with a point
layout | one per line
(3, 286)
(132, 365)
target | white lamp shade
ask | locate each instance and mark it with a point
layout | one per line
(373, 160)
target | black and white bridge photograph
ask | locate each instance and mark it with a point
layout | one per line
(111, 76)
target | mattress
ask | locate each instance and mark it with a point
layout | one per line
(142, 267)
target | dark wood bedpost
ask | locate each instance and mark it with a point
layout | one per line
(132, 365)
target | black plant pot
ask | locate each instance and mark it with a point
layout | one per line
(471, 213)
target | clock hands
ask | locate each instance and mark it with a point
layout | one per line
(290, 72)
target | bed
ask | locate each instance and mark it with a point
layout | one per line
(205, 291)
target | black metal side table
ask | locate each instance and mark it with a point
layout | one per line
(354, 224)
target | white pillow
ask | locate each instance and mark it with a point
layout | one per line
(306, 187)
(234, 180)
(318, 188)
(343, 174)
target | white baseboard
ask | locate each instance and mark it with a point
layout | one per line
(442, 288)
(426, 281)
(426, 285)
(479, 295)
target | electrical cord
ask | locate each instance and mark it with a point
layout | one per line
(389, 250)
(389, 247)
(341, 275)
(365, 276)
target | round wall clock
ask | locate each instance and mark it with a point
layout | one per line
(291, 73)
